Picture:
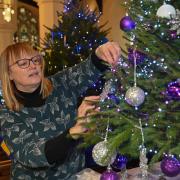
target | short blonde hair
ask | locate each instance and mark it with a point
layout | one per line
(9, 56)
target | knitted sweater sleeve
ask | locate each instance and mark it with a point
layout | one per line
(79, 78)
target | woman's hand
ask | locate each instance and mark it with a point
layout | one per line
(109, 52)
(86, 108)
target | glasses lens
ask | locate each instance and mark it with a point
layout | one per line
(37, 60)
(24, 63)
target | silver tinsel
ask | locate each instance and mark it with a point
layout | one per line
(135, 96)
(102, 154)
(106, 90)
(143, 164)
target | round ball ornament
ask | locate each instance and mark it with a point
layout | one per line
(102, 154)
(170, 166)
(166, 11)
(173, 90)
(109, 175)
(120, 162)
(135, 96)
(173, 34)
(127, 24)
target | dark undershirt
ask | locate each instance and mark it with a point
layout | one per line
(57, 148)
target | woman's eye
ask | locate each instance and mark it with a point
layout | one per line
(22, 63)
(37, 60)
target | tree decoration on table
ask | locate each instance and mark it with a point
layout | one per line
(170, 166)
(143, 159)
(166, 11)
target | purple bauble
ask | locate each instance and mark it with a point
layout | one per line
(173, 90)
(173, 34)
(114, 98)
(127, 24)
(109, 175)
(170, 166)
(140, 57)
(120, 162)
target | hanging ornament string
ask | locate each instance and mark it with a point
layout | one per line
(107, 129)
(142, 133)
(134, 56)
(135, 96)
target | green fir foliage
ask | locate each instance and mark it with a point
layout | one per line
(160, 112)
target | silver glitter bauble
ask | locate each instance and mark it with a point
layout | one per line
(135, 96)
(102, 155)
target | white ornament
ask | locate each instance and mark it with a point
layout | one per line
(102, 154)
(135, 96)
(166, 11)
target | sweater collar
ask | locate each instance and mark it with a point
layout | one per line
(33, 99)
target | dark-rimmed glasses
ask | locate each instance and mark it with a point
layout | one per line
(24, 63)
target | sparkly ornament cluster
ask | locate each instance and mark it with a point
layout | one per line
(135, 96)
(175, 23)
(173, 90)
(102, 154)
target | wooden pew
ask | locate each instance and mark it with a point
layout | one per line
(5, 165)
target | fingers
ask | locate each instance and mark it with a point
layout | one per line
(77, 130)
(91, 99)
(116, 51)
(109, 52)
(84, 109)
(87, 105)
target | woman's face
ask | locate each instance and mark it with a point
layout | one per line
(26, 73)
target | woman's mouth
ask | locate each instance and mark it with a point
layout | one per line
(33, 74)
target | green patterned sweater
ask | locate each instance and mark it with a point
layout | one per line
(25, 132)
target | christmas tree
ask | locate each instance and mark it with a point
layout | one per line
(140, 104)
(74, 38)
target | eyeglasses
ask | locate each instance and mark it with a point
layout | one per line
(24, 63)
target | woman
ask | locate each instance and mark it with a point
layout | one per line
(38, 121)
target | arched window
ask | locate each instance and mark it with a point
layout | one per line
(28, 27)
